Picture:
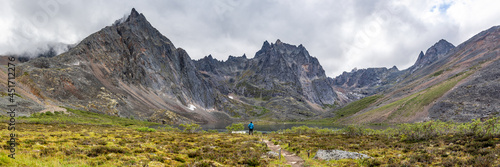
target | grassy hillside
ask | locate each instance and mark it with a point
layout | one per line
(407, 107)
(74, 116)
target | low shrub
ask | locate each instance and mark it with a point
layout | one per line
(102, 150)
(146, 129)
(190, 128)
(235, 127)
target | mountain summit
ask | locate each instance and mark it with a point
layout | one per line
(434, 53)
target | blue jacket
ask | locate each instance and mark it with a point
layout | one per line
(250, 126)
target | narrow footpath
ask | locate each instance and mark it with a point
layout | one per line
(290, 158)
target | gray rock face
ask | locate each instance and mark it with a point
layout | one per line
(281, 63)
(133, 66)
(277, 69)
(338, 155)
(218, 72)
(479, 96)
(368, 81)
(434, 53)
(281, 78)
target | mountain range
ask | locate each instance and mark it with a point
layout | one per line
(129, 69)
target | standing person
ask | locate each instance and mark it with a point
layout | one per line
(250, 128)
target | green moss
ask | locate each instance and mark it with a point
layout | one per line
(4, 159)
(437, 73)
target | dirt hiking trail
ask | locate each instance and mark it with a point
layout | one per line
(290, 158)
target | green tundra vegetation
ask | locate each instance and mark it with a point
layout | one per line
(80, 138)
(432, 143)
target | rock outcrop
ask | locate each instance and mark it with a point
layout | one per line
(368, 81)
(434, 53)
(338, 155)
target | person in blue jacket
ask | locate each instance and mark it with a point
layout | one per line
(250, 128)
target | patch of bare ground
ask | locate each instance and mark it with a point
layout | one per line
(291, 159)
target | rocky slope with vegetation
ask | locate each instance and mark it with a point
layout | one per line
(447, 83)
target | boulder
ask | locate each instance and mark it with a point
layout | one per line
(338, 154)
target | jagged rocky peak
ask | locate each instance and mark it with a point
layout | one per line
(421, 55)
(265, 45)
(234, 58)
(441, 47)
(281, 47)
(371, 80)
(435, 52)
(209, 58)
(278, 50)
(135, 16)
(280, 56)
(394, 69)
(278, 42)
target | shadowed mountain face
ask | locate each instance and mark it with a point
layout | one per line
(281, 77)
(128, 69)
(278, 69)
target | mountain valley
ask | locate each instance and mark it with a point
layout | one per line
(129, 69)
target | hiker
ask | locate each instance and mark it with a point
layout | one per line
(250, 128)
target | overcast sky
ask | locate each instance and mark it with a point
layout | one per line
(341, 34)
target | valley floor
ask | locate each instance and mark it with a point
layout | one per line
(69, 143)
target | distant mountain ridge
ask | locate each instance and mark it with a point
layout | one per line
(447, 83)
